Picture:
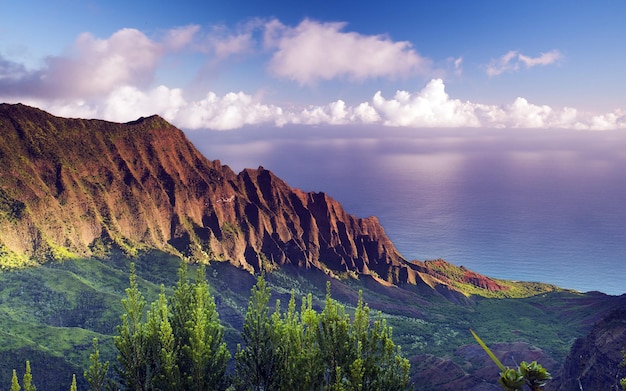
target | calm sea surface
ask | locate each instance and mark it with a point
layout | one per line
(517, 204)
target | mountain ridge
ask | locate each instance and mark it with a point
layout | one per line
(79, 190)
(75, 187)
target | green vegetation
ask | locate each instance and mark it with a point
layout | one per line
(51, 314)
(10, 209)
(11, 260)
(307, 350)
(532, 375)
(96, 374)
(178, 344)
(27, 380)
(460, 278)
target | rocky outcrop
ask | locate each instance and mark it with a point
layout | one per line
(593, 363)
(81, 187)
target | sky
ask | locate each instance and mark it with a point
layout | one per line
(224, 65)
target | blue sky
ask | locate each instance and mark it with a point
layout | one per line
(226, 65)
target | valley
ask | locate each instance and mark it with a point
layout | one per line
(82, 199)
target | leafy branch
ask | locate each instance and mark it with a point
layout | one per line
(531, 374)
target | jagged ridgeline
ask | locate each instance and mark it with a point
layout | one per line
(73, 187)
(86, 191)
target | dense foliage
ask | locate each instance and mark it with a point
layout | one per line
(178, 344)
(307, 350)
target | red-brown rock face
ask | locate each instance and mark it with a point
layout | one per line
(80, 186)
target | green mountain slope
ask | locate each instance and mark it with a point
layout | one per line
(81, 199)
(49, 315)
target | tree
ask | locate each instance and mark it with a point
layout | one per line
(258, 362)
(28, 379)
(73, 387)
(337, 349)
(15, 385)
(379, 364)
(311, 351)
(301, 365)
(160, 347)
(202, 355)
(97, 371)
(131, 343)
(359, 354)
(181, 305)
(179, 346)
(206, 347)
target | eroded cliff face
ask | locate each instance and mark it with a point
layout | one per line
(72, 186)
(593, 362)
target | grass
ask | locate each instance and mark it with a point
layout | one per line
(50, 314)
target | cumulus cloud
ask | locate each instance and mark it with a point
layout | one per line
(95, 67)
(512, 60)
(430, 107)
(112, 79)
(231, 111)
(92, 67)
(314, 51)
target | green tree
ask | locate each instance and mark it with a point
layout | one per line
(359, 354)
(198, 334)
(206, 348)
(258, 363)
(337, 349)
(379, 364)
(97, 371)
(180, 345)
(28, 379)
(181, 305)
(311, 351)
(302, 365)
(73, 387)
(161, 347)
(15, 384)
(131, 341)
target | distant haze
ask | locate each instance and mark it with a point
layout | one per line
(515, 204)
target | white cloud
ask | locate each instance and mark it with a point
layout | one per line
(111, 79)
(503, 64)
(179, 38)
(543, 59)
(128, 103)
(233, 44)
(429, 108)
(233, 110)
(315, 51)
(458, 66)
(511, 61)
(100, 65)
(93, 67)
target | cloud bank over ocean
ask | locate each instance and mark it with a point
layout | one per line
(114, 79)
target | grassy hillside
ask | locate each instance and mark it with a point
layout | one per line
(50, 314)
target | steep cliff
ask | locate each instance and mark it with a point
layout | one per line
(594, 361)
(73, 187)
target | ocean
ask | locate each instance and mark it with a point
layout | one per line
(530, 205)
